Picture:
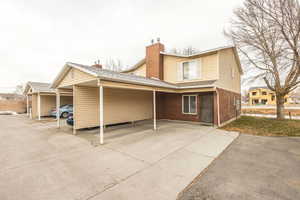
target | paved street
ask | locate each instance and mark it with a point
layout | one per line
(252, 168)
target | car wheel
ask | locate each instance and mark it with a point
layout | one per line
(64, 115)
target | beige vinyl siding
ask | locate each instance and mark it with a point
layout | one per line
(86, 106)
(47, 103)
(208, 67)
(66, 100)
(141, 71)
(75, 76)
(126, 105)
(34, 106)
(226, 63)
(119, 106)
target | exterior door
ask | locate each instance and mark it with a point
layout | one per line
(206, 108)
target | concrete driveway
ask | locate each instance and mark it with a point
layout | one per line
(252, 168)
(39, 161)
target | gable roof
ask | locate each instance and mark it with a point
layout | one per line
(119, 77)
(38, 87)
(214, 50)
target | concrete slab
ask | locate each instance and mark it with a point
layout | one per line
(211, 144)
(160, 181)
(39, 161)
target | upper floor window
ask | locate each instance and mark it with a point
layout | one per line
(190, 70)
(253, 93)
(264, 93)
(232, 72)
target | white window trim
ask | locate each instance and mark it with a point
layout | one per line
(182, 102)
(199, 70)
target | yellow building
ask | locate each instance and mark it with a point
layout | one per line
(264, 96)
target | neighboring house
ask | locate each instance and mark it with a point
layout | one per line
(265, 96)
(204, 87)
(41, 99)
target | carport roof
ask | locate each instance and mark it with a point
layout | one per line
(124, 78)
(38, 87)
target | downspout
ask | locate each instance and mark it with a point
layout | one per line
(218, 105)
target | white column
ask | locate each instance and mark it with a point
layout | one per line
(74, 110)
(57, 109)
(101, 111)
(27, 105)
(39, 106)
(154, 110)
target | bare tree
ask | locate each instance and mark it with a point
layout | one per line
(114, 64)
(19, 89)
(267, 34)
(245, 96)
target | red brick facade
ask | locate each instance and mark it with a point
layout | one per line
(228, 105)
(169, 106)
(154, 61)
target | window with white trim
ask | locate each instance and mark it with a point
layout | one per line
(189, 70)
(232, 72)
(189, 104)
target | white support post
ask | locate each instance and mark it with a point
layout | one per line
(57, 109)
(154, 110)
(101, 113)
(74, 110)
(27, 105)
(39, 106)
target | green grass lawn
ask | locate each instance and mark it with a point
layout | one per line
(264, 126)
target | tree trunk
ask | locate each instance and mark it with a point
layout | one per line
(280, 106)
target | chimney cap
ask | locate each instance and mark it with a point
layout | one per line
(158, 39)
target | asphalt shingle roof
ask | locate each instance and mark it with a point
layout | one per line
(112, 75)
(130, 78)
(41, 87)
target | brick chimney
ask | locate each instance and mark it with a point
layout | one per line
(154, 60)
(97, 64)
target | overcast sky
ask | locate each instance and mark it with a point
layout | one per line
(38, 36)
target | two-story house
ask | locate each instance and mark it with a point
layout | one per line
(204, 87)
(264, 96)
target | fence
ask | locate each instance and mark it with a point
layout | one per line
(18, 106)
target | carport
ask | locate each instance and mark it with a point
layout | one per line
(41, 99)
(104, 97)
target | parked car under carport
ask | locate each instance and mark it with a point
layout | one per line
(64, 111)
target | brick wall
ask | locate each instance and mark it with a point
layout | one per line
(169, 106)
(18, 106)
(227, 107)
